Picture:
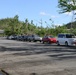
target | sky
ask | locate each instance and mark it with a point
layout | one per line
(40, 11)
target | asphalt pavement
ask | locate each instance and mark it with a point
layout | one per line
(28, 58)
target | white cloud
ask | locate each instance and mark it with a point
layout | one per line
(47, 14)
(58, 24)
(53, 16)
(44, 14)
(68, 13)
(71, 2)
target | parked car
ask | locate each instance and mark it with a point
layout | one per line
(34, 38)
(49, 39)
(19, 38)
(11, 37)
(24, 37)
(66, 39)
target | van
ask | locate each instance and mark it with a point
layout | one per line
(67, 39)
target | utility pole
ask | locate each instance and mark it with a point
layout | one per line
(41, 23)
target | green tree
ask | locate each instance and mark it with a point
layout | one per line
(26, 23)
(66, 5)
(13, 27)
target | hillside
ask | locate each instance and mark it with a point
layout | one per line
(69, 25)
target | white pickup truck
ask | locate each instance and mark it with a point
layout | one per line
(66, 39)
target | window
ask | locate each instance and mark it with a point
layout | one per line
(70, 36)
(50, 37)
(61, 35)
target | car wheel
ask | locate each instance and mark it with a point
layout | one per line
(66, 43)
(48, 42)
(34, 40)
(40, 40)
(43, 42)
(29, 40)
(58, 43)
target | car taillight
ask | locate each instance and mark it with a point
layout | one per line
(74, 42)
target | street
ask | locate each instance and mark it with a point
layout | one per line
(26, 58)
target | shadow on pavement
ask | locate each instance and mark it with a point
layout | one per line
(41, 48)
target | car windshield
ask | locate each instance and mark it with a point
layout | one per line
(36, 35)
(70, 36)
(50, 37)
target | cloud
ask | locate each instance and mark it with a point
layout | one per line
(53, 16)
(44, 14)
(58, 24)
(68, 13)
(47, 14)
(71, 2)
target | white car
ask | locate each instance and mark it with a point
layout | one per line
(66, 39)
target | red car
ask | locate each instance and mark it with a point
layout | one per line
(49, 39)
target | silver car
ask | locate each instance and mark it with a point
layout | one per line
(34, 38)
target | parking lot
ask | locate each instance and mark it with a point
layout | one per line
(26, 58)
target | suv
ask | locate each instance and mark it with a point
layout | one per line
(34, 38)
(66, 39)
